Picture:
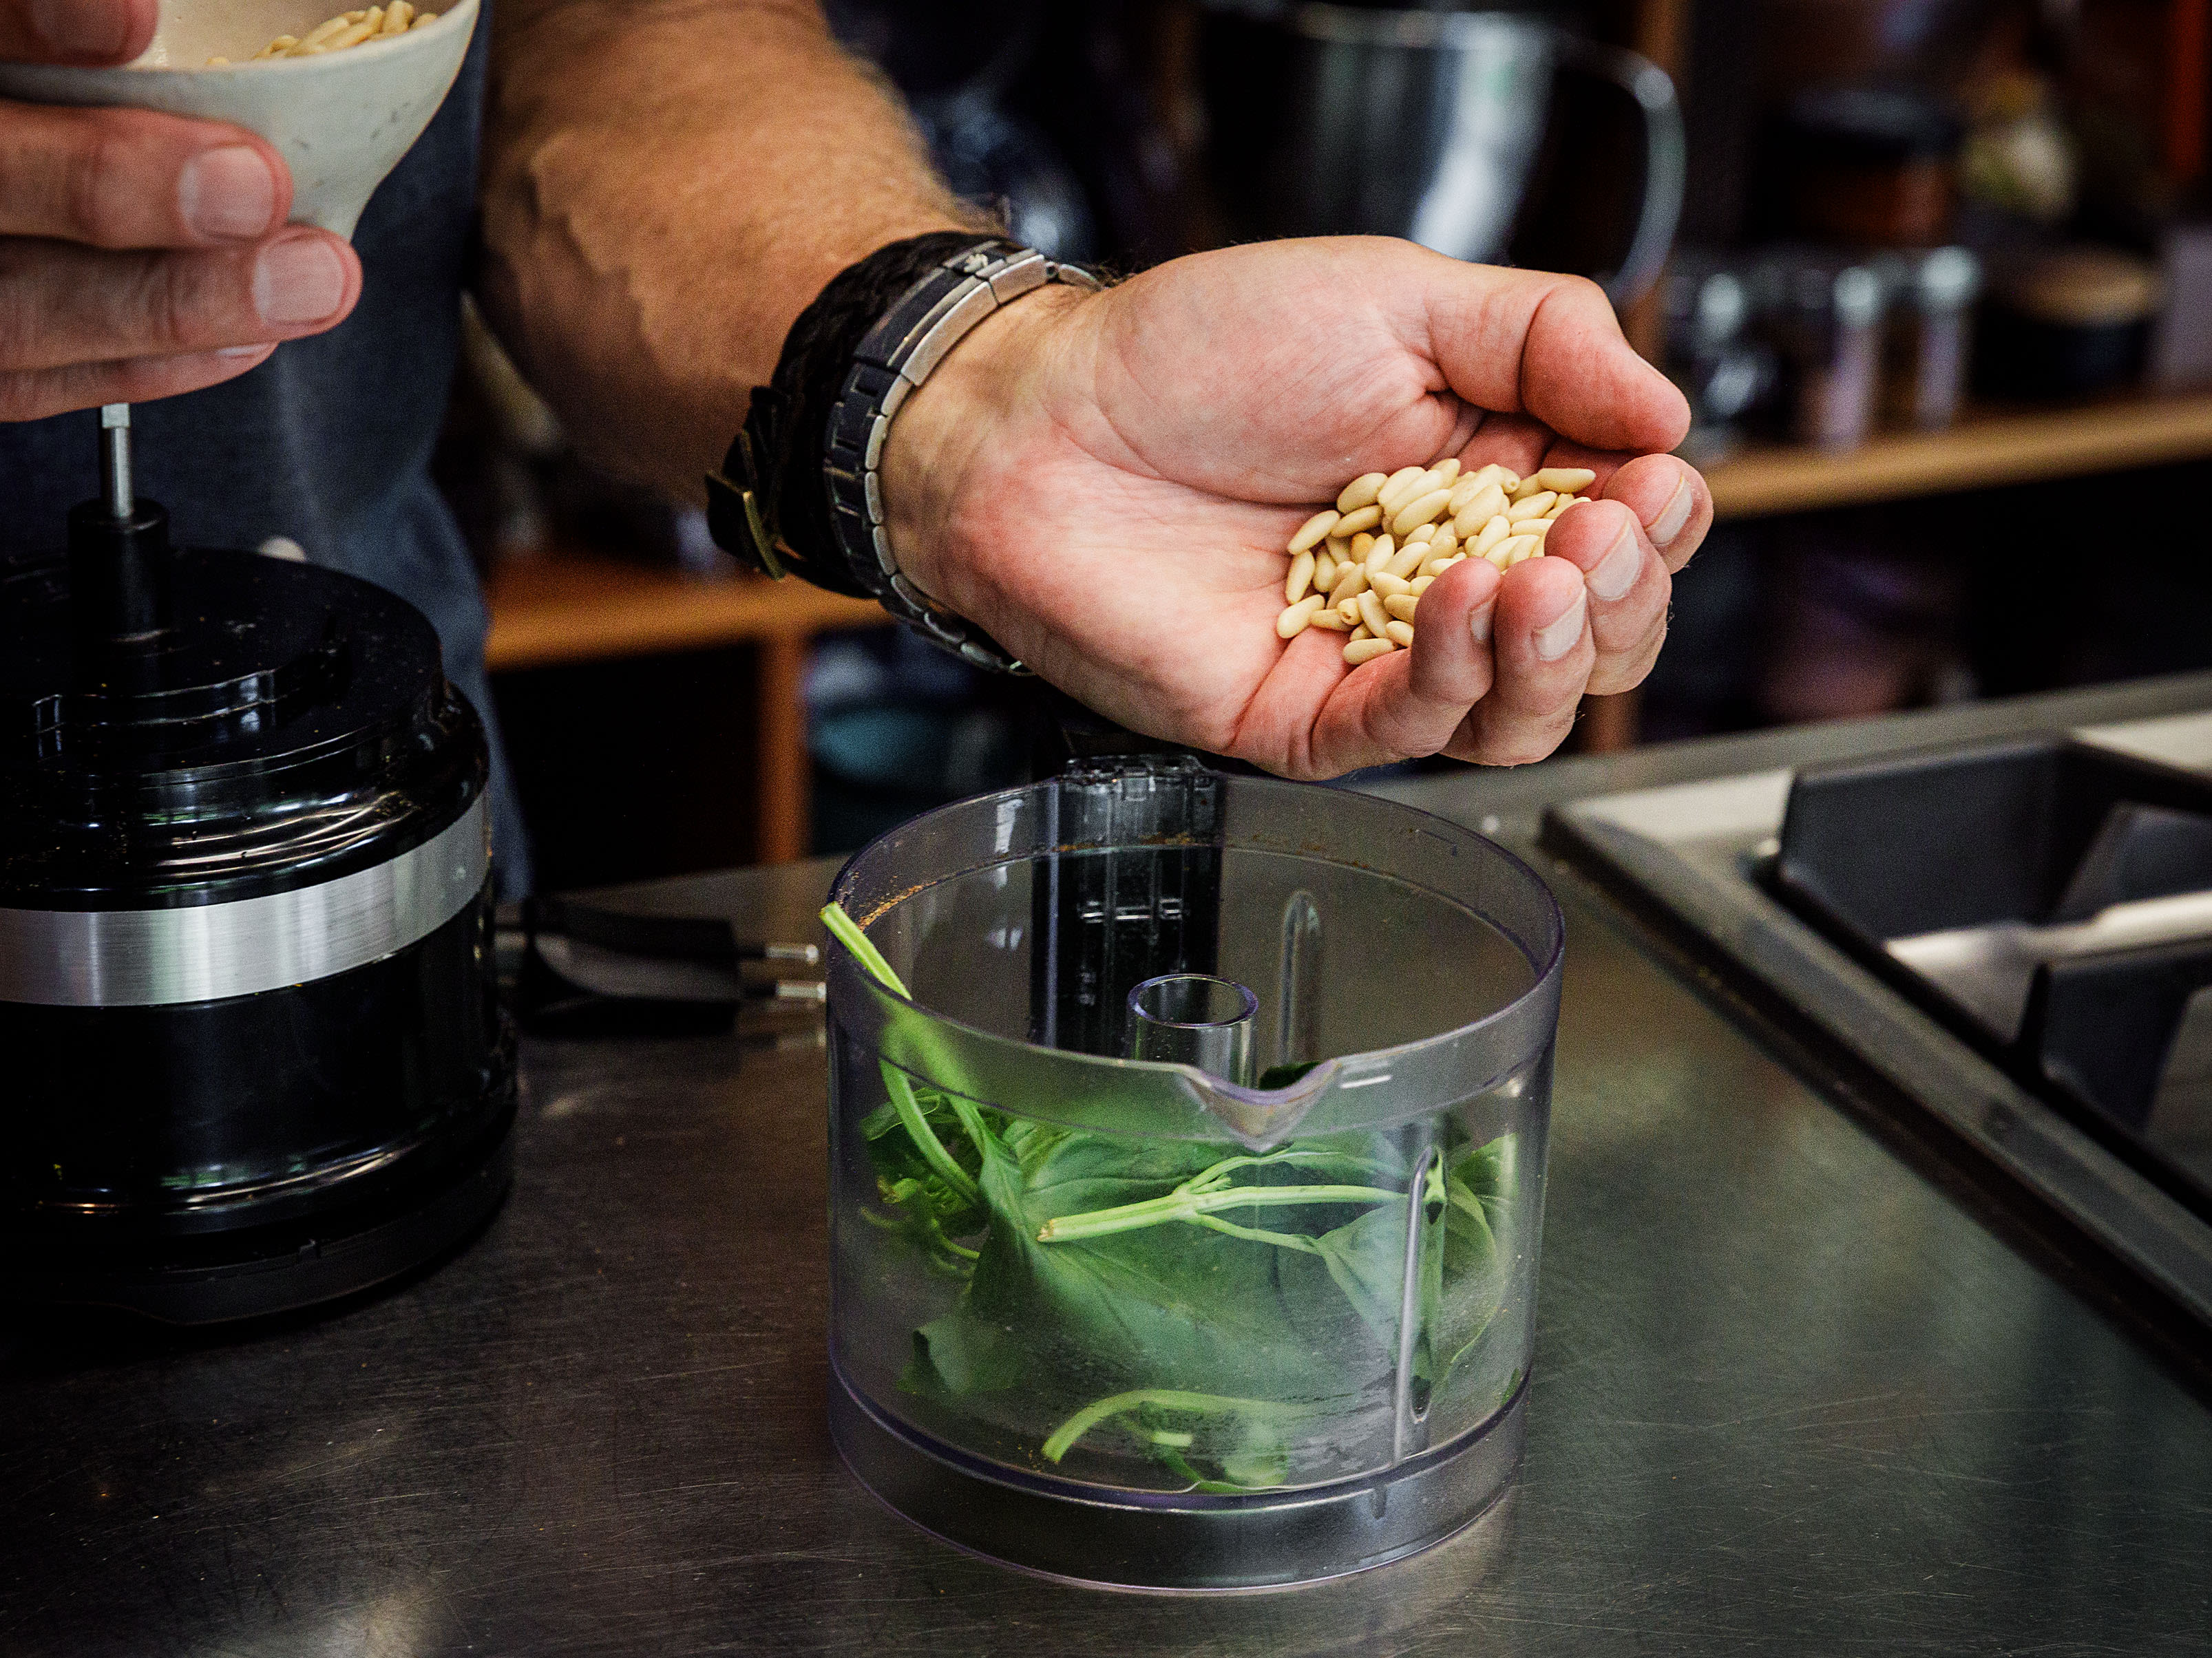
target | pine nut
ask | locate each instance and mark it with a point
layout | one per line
(1293, 621)
(1311, 532)
(1361, 492)
(1349, 576)
(348, 28)
(1421, 509)
(1492, 532)
(1391, 500)
(1484, 504)
(1397, 480)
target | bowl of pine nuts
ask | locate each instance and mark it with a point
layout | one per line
(1359, 568)
(342, 97)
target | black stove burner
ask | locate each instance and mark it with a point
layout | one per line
(2051, 902)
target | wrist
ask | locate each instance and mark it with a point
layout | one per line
(962, 427)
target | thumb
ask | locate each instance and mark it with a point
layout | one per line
(1549, 346)
(75, 31)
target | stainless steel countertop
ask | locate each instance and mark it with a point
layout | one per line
(1788, 1398)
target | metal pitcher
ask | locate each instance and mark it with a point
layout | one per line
(1332, 120)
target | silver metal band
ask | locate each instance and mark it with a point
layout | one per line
(897, 357)
(156, 957)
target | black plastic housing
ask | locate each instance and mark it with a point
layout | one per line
(277, 728)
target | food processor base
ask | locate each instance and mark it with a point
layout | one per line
(275, 1269)
(1177, 1541)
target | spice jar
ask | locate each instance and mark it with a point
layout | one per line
(1827, 320)
(1870, 166)
(2067, 322)
(1930, 314)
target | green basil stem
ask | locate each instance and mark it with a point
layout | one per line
(924, 1137)
(1065, 1436)
(1189, 1206)
(1254, 1235)
(847, 931)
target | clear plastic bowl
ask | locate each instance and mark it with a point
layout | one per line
(1258, 1314)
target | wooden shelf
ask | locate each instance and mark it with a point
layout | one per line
(567, 607)
(1983, 450)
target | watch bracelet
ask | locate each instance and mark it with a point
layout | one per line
(850, 360)
(768, 504)
(892, 361)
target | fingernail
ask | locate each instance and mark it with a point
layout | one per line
(297, 280)
(1555, 639)
(83, 28)
(228, 193)
(1478, 623)
(1617, 571)
(240, 351)
(1674, 515)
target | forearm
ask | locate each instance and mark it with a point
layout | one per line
(666, 185)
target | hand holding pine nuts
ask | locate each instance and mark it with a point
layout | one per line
(1504, 514)
(1105, 482)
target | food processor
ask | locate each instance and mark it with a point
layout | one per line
(1186, 1149)
(251, 1056)
(250, 1053)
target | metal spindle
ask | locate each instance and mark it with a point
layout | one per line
(115, 487)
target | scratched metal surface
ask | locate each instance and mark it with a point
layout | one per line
(1787, 1399)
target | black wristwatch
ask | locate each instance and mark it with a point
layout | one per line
(789, 499)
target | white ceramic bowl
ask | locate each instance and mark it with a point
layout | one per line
(341, 120)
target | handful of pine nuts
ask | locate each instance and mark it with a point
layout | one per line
(347, 28)
(1361, 567)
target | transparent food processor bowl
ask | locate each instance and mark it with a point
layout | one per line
(1253, 1308)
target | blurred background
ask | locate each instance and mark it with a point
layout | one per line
(1935, 274)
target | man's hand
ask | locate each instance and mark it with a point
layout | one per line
(140, 255)
(1105, 484)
